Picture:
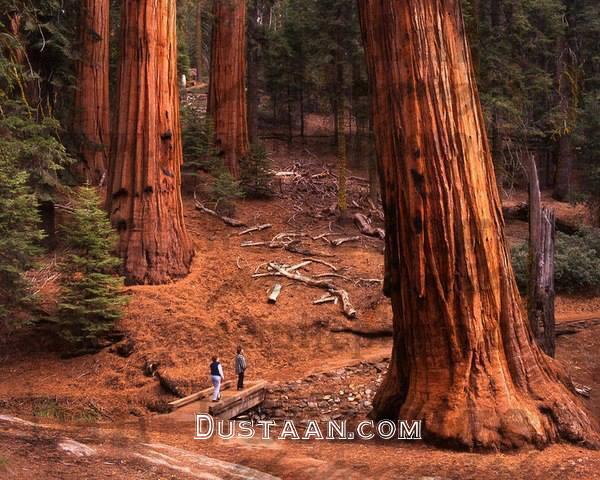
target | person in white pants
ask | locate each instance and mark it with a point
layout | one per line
(216, 375)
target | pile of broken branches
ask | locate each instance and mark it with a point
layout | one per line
(317, 281)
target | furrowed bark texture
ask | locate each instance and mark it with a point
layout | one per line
(91, 122)
(144, 194)
(227, 85)
(463, 358)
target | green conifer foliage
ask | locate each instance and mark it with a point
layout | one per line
(256, 173)
(91, 297)
(19, 232)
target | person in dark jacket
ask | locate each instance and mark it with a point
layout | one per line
(216, 376)
(240, 367)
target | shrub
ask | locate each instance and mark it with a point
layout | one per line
(91, 296)
(224, 190)
(576, 262)
(199, 150)
(256, 173)
(19, 230)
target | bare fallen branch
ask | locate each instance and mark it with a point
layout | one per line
(299, 266)
(370, 280)
(326, 299)
(340, 241)
(364, 226)
(256, 228)
(322, 262)
(295, 248)
(336, 275)
(227, 220)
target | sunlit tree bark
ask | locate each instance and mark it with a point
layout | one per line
(227, 85)
(91, 109)
(144, 181)
(463, 358)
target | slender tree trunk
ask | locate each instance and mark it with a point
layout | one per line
(567, 85)
(253, 59)
(463, 358)
(199, 41)
(342, 160)
(91, 123)
(146, 156)
(301, 102)
(289, 115)
(227, 85)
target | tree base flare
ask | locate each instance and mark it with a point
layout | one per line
(471, 419)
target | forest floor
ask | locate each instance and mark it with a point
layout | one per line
(107, 400)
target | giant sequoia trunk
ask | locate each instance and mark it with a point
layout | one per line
(91, 110)
(144, 183)
(463, 357)
(227, 85)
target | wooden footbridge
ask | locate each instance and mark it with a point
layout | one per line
(232, 403)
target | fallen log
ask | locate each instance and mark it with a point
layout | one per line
(295, 248)
(274, 293)
(521, 212)
(256, 228)
(325, 299)
(376, 333)
(341, 241)
(347, 307)
(168, 384)
(232, 222)
(576, 326)
(364, 226)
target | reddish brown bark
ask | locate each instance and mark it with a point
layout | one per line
(144, 182)
(91, 109)
(227, 85)
(463, 359)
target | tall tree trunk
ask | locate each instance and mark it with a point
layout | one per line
(227, 85)
(290, 122)
(463, 358)
(199, 41)
(253, 59)
(91, 121)
(567, 85)
(342, 159)
(144, 190)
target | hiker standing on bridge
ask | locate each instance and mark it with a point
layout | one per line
(240, 367)
(216, 375)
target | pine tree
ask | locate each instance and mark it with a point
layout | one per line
(256, 173)
(91, 299)
(224, 190)
(19, 231)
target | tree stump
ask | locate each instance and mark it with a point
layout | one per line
(542, 228)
